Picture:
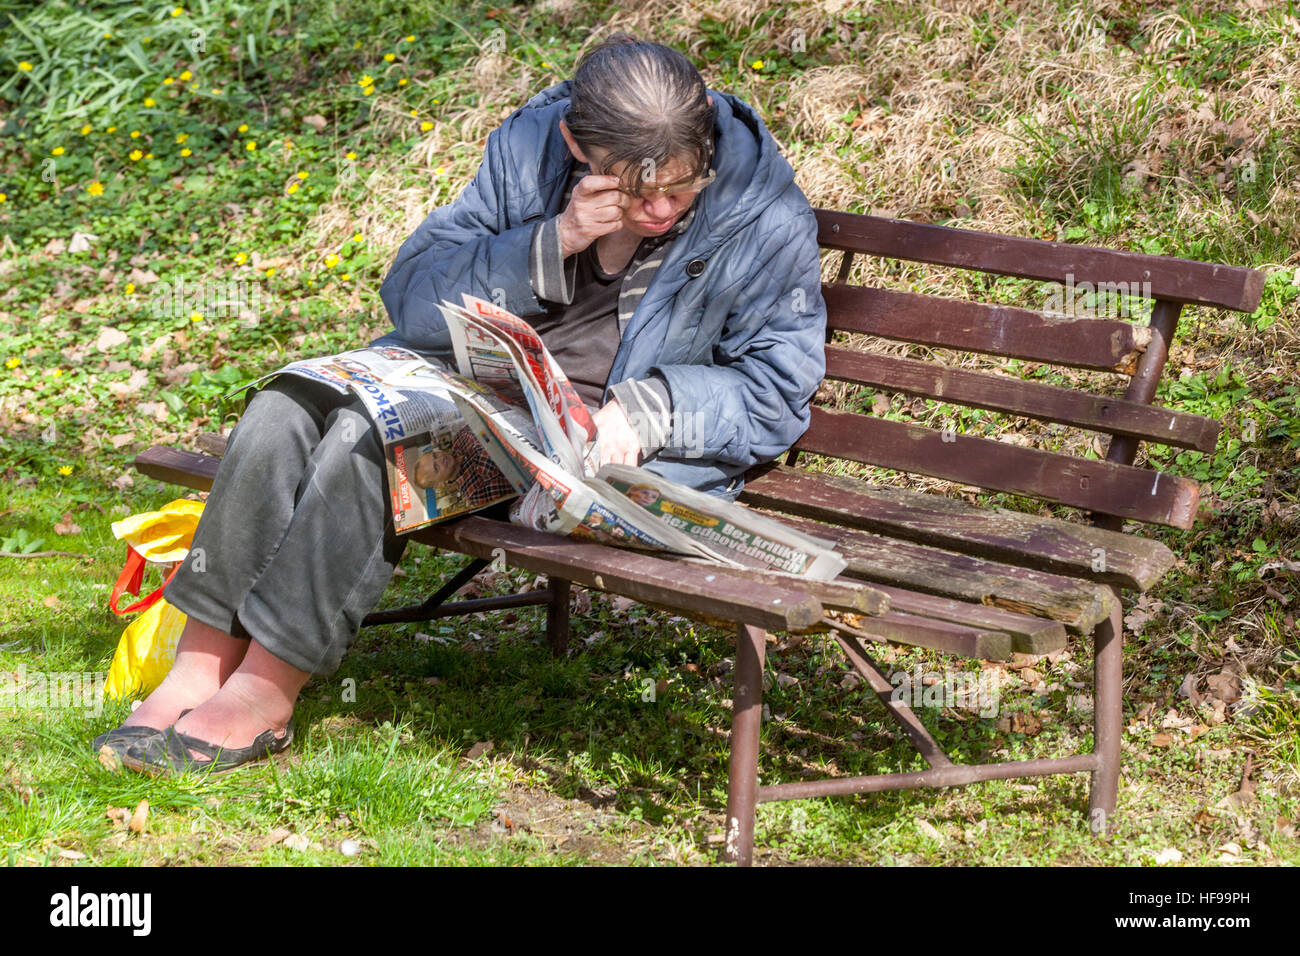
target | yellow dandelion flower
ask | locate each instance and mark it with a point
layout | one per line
(545, 65)
(345, 277)
(390, 57)
(194, 87)
(111, 129)
(56, 373)
(65, 470)
(356, 237)
(251, 146)
(136, 155)
(187, 151)
(331, 261)
(435, 101)
(293, 188)
(149, 102)
(135, 134)
(178, 11)
(410, 39)
(196, 317)
(96, 188)
(186, 76)
(169, 81)
(303, 174)
(3, 197)
(415, 112)
(13, 362)
(182, 137)
(757, 64)
(243, 128)
(25, 66)
(241, 258)
(349, 155)
(369, 90)
(57, 151)
(366, 80)
(85, 130)
(148, 155)
(440, 170)
(402, 81)
(130, 288)
(270, 272)
(108, 36)
(426, 126)
(357, 45)
(216, 92)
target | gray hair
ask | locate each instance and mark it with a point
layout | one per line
(641, 101)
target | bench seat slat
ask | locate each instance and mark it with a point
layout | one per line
(1170, 278)
(731, 595)
(1050, 544)
(1039, 400)
(968, 640)
(1029, 635)
(1107, 345)
(1079, 605)
(1124, 490)
(176, 467)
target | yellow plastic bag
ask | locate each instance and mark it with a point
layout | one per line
(145, 653)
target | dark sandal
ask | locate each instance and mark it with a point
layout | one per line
(170, 752)
(120, 739)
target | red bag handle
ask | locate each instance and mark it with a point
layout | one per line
(129, 581)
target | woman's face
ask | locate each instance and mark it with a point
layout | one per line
(644, 217)
(656, 215)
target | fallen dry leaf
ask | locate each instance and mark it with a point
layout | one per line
(52, 601)
(1225, 686)
(67, 525)
(140, 818)
(110, 338)
(108, 757)
(1162, 740)
(480, 749)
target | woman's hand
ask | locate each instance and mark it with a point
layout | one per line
(619, 442)
(595, 209)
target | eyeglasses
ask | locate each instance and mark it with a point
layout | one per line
(647, 193)
(683, 188)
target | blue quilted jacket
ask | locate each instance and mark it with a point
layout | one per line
(733, 319)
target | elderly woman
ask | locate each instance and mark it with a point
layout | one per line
(650, 231)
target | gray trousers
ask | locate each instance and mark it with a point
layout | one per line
(296, 541)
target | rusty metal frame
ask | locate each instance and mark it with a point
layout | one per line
(555, 598)
(1103, 763)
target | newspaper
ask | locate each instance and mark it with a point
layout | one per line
(508, 424)
(437, 467)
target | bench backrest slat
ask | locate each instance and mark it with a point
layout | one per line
(1103, 344)
(1114, 489)
(1163, 277)
(1050, 403)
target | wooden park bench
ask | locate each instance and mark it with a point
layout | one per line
(923, 569)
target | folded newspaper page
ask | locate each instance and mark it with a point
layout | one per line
(511, 425)
(724, 529)
(437, 467)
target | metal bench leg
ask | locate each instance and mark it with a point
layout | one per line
(746, 720)
(557, 616)
(1108, 719)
